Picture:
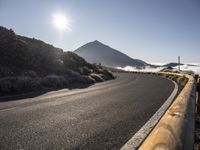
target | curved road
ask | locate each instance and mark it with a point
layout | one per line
(103, 116)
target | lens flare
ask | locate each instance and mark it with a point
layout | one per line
(61, 22)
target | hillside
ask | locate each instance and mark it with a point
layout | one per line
(171, 65)
(97, 52)
(28, 64)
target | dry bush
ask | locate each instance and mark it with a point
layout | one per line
(86, 80)
(29, 73)
(54, 81)
(97, 77)
(6, 84)
(105, 74)
(19, 84)
(25, 83)
(5, 72)
(85, 70)
(182, 80)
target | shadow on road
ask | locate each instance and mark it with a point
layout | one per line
(19, 96)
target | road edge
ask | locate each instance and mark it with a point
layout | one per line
(145, 130)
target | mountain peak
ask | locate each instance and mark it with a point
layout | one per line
(96, 42)
(97, 52)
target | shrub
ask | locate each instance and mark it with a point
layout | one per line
(105, 73)
(97, 77)
(182, 80)
(73, 76)
(19, 84)
(26, 84)
(29, 73)
(74, 62)
(54, 81)
(85, 70)
(87, 80)
(108, 74)
(6, 84)
(5, 72)
(72, 73)
(22, 83)
(91, 80)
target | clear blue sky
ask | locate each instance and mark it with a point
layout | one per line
(152, 30)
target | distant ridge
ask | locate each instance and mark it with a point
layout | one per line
(97, 52)
(172, 64)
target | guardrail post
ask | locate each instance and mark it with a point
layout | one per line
(196, 77)
(198, 99)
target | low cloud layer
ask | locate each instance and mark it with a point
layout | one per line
(186, 67)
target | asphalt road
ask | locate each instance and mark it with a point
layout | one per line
(102, 116)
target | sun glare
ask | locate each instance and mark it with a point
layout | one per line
(61, 22)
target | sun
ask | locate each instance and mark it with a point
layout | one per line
(61, 22)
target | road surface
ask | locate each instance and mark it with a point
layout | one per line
(103, 116)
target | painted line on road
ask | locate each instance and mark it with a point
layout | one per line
(7, 109)
(144, 131)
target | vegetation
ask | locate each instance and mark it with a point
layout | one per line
(28, 64)
(181, 80)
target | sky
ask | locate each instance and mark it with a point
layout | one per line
(151, 30)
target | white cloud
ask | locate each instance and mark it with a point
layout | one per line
(146, 69)
(186, 67)
(195, 69)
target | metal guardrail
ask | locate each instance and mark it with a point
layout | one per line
(175, 130)
(144, 131)
(197, 119)
(198, 96)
